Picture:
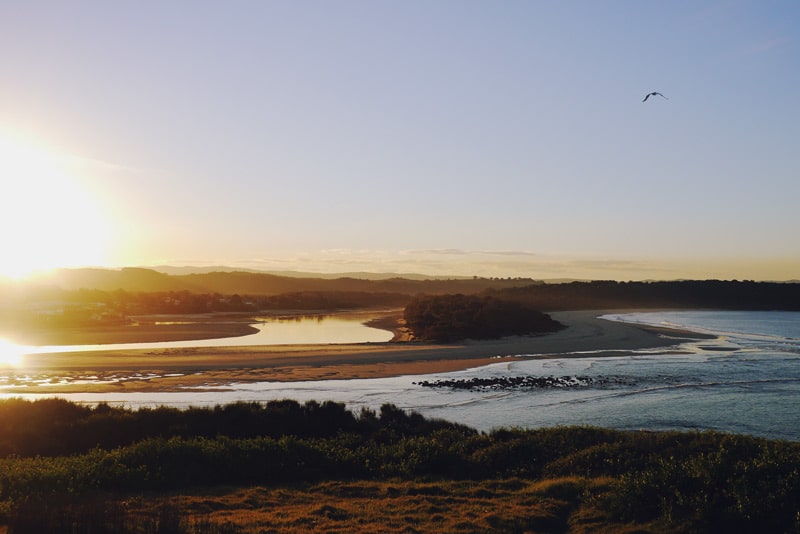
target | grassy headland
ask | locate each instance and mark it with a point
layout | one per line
(283, 466)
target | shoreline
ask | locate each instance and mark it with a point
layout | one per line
(148, 370)
(157, 328)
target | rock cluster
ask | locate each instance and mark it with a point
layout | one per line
(523, 382)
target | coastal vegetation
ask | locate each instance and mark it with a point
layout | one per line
(286, 466)
(446, 318)
(685, 294)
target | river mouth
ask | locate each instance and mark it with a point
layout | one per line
(744, 383)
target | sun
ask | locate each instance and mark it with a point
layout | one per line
(11, 355)
(49, 217)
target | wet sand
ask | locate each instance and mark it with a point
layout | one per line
(174, 369)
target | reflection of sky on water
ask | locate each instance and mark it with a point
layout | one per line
(320, 329)
(346, 328)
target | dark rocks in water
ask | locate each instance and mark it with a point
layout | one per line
(524, 382)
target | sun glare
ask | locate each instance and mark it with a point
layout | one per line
(49, 218)
(10, 354)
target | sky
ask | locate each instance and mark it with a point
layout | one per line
(439, 137)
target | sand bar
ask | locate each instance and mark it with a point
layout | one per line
(173, 369)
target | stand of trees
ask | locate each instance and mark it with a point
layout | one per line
(455, 317)
(719, 294)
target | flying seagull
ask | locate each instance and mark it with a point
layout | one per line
(654, 93)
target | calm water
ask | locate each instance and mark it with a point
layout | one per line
(747, 381)
(323, 329)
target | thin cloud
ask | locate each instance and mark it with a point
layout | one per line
(766, 46)
(521, 253)
(439, 251)
(462, 252)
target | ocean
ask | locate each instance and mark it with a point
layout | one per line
(747, 380)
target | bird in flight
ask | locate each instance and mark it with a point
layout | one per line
(654, 93)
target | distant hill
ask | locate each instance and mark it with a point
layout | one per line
(189, 269)
(135, 279)
(361, 275)
(292, 291)
(132, 279)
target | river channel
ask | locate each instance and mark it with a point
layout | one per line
(287, 330)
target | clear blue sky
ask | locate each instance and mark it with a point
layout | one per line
(446, 137)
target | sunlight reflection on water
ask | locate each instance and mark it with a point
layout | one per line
(320, 329)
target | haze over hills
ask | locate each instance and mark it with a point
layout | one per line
(136, 279)
(361, 275)
(150, 291)
(230, 281)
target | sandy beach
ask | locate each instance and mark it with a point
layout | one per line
(172, 369)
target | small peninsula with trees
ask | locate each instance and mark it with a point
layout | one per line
(446, 318)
